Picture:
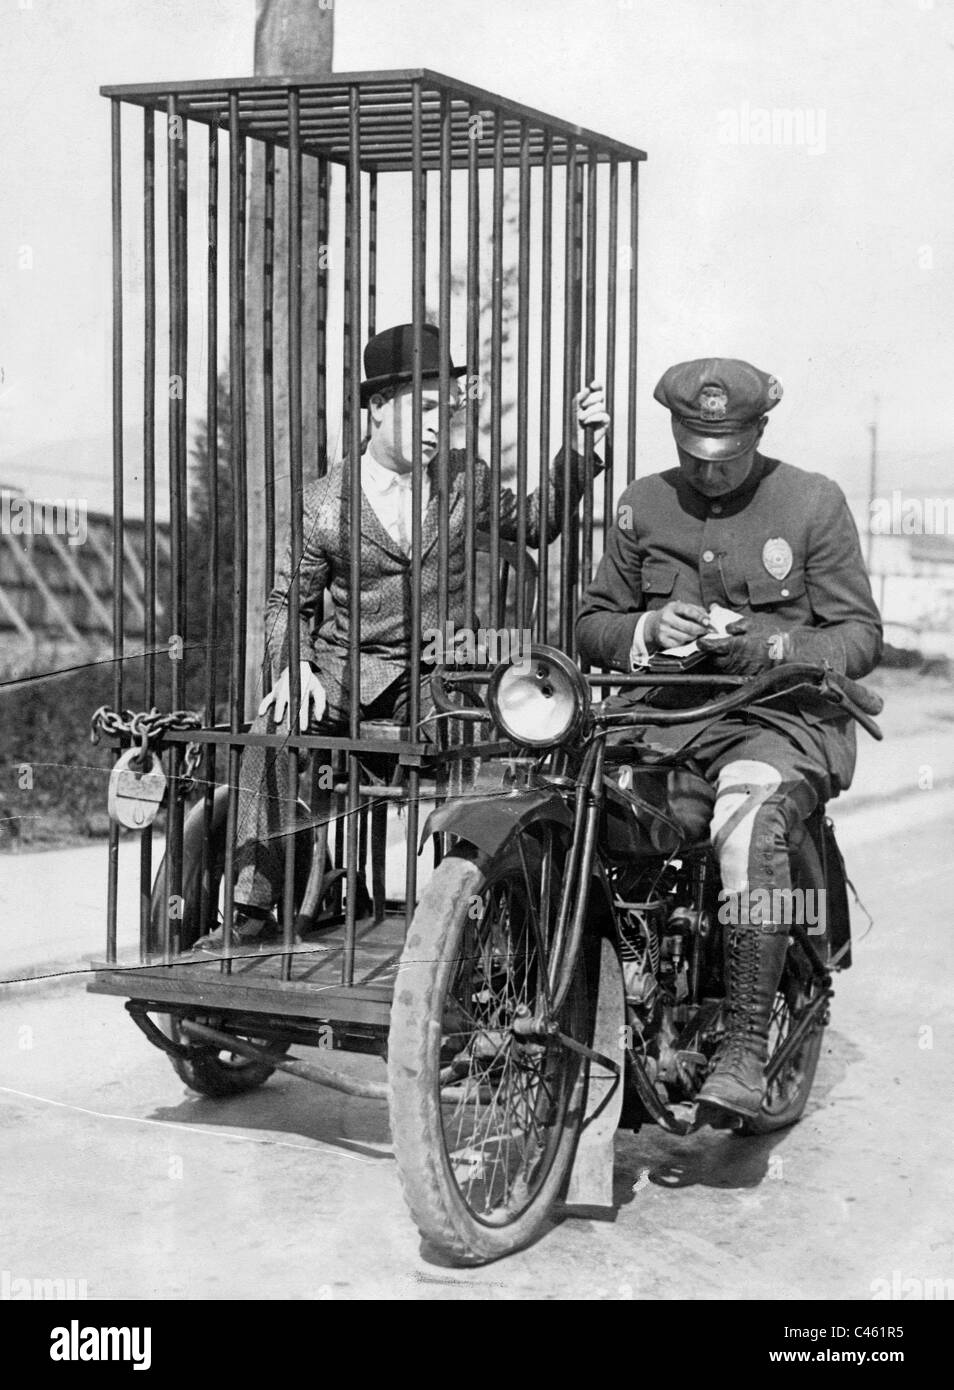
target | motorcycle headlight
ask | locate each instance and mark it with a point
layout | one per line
(540, 702)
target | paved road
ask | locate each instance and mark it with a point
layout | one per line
(115, 1174)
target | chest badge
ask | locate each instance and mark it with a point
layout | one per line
(777, 557)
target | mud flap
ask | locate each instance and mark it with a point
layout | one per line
(591, 1177)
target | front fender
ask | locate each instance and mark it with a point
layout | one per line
(490, 823)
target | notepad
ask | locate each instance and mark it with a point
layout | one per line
(689, 654)
(720, 618)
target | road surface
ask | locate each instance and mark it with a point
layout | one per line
(116, 1175)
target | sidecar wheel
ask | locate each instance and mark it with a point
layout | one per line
(484, 1118)
(211, 1073)
(787, 1095)
(218, 1073)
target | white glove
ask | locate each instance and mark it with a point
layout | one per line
(312, 694)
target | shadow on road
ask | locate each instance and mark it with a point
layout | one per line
(717, 1158)
(288, 1106)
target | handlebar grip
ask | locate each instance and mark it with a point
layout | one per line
(867, 700)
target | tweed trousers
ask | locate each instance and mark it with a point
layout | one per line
(262, 809)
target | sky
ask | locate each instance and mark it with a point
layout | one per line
(828, 261)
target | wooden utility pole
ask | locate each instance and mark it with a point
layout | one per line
(292, 38)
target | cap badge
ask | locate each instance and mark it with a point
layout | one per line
(777, 557)
(713, 403)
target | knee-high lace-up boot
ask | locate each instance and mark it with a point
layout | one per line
(755, 956)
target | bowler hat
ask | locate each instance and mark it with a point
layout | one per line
(716, 404)
(389, 359)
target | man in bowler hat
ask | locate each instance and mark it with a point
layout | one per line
(778, 546)
(384, 474)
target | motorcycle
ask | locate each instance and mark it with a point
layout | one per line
(563, 973)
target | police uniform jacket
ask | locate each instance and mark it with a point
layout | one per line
(783, 551)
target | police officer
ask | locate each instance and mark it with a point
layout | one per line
(777, 545)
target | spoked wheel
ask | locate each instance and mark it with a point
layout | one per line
(484, 1112)
(800, 1004)
(217, 1072)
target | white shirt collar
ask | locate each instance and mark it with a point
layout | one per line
(379, 478)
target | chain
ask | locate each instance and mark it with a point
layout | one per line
(147, 728)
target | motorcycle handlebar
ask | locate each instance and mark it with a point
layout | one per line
(857, 700)
(854, 698)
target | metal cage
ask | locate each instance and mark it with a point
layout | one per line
(392, 173)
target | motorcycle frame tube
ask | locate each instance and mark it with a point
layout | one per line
(571, 870)
(237, 158)
(546, 334)
(212, 451)
(353, 346)
(116, 202)
(295, 513)
(575, 897)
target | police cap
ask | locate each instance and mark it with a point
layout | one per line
(716, 405)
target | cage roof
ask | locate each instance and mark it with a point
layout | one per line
(385, 117)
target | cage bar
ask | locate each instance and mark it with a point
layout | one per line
(353, 349)
(633, 316)
(295, 483)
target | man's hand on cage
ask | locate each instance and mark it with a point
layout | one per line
(590, 407)
(312, 694)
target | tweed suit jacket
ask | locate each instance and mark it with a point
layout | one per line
(385, 603)
(669, 542)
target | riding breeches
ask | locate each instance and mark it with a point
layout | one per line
(765, 786)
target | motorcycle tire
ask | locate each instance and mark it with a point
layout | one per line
(484, 1120)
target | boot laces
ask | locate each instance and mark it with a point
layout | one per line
(743, 968)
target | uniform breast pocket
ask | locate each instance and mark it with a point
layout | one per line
(657, 582)
(767, 592)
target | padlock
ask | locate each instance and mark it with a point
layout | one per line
(135, 793)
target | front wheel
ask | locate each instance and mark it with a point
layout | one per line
(484, 1114)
